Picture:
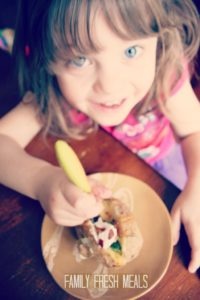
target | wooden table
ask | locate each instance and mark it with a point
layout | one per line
(23, 274)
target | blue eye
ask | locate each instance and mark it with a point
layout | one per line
(131, 51)
(78, 61)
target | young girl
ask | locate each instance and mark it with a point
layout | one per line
(122, 64)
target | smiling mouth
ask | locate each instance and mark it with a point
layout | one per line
(110, 105)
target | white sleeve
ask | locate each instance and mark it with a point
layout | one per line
(183, 110)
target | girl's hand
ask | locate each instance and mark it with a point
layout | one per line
(186, 210)
(63, 202)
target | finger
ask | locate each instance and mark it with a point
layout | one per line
(65, 218)
(67, 204)
(195, 261)
(194, 241)
(81, 211)
(176, 225)
(99, 190)
(88, 206)
(81, 204)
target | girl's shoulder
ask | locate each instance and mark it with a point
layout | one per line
(22, 123)
(183, 108)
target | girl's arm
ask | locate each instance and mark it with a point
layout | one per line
(184, 109)
(189, 200)
(184, 114)
(191, 152)
(63, 202)
(17, 129)
(22, 123)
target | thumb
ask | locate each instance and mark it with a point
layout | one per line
(176, 225)
(99, 190)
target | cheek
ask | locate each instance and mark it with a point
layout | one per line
(69, 90)
(146, 76)
(149, 79)
(147, 72)
(143, 82)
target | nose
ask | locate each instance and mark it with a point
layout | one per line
(108, 80)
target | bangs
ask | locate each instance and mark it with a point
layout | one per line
(71, 26)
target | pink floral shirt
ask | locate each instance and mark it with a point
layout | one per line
(150, 135)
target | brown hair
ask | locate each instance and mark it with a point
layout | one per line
(52, 28)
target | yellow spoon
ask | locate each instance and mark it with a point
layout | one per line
(70, 163)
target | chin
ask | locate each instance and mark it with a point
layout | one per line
(109, 122)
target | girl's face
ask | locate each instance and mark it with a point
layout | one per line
(107, 84)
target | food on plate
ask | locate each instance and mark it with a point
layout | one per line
(113, 236)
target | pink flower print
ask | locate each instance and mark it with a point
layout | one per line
(130, 130)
